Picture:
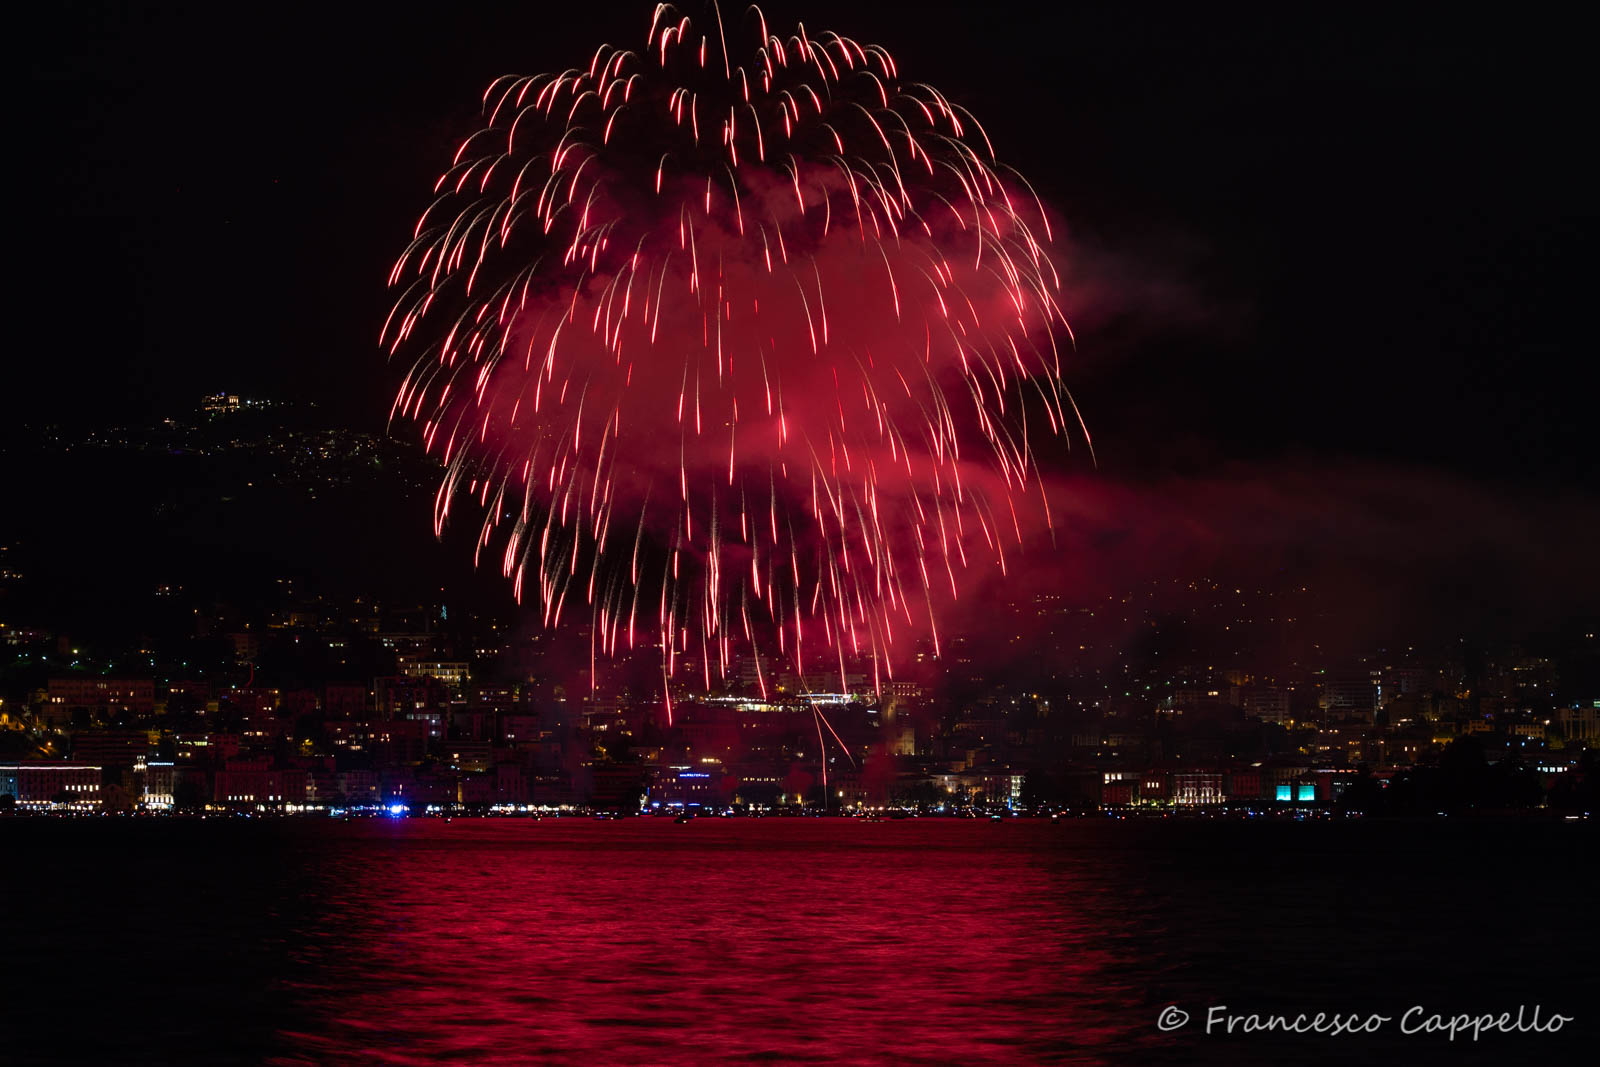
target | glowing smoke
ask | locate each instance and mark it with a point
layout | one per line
(734, 348)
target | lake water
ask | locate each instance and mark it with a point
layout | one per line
(780, 940)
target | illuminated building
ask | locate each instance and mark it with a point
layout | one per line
(1267, 703)
(1244, 784)
(199, 749)
(45, 784)
(454, 673)
(102, 696)
(1352, 696)
(252, 781)
(110, 748)
(1190, 788)
(1581, 722)
(1117, 791)
(688, 786)
(160, 784)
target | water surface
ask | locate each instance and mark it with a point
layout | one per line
(780, 940)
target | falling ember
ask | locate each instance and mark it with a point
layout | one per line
(628, 248)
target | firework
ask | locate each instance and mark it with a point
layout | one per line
(733, 348)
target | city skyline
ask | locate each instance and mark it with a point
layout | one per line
(300, 675)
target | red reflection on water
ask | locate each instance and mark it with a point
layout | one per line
(721, 940)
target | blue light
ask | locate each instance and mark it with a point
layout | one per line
(1285, 792)
(397, 810)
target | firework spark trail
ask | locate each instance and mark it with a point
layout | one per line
(778, 309)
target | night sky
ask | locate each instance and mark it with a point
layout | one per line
(1351, 251)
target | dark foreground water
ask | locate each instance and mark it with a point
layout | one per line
(781, 940)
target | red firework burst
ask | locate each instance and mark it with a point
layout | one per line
(779, 314)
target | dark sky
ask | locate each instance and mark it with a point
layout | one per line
(1360, 234)
(1340, 240)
